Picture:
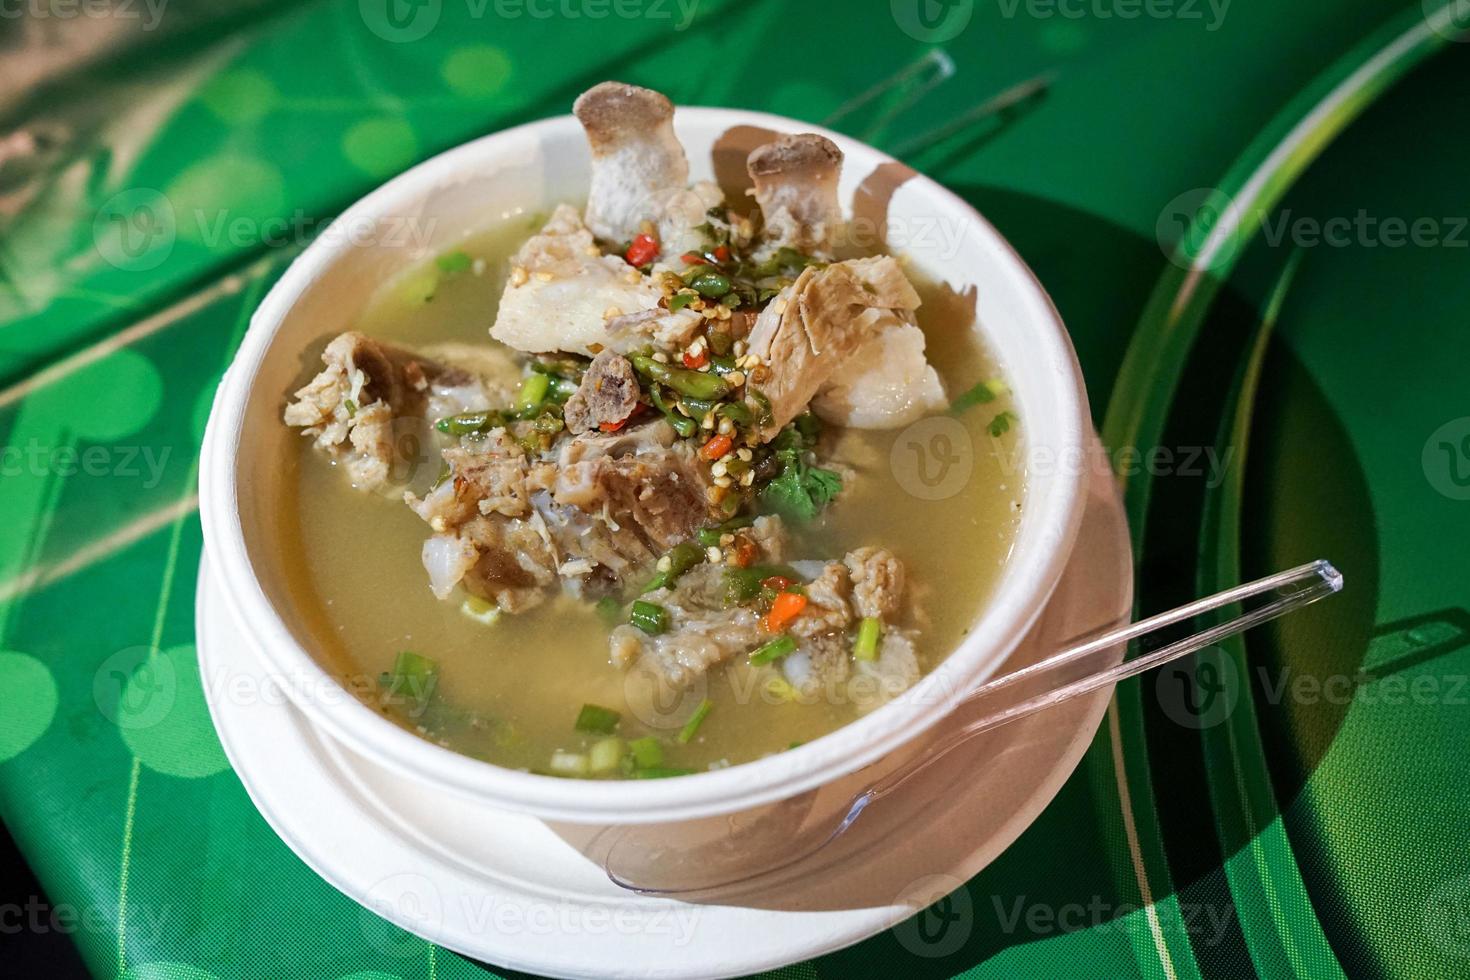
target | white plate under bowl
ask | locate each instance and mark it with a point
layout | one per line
(516, 892)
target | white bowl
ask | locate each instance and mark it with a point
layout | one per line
(528, 169)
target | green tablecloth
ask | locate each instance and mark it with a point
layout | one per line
(1290, 806)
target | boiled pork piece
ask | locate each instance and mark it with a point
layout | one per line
(832, 331)
(366, 385)
(565, 295)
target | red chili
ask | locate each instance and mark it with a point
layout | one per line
(693, 258)
(612, 426)
(776, 583)
(642, 251)
(746, 551)
(694, 363)
(716, 447)
(722, 253)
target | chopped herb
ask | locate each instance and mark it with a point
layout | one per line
(606, 755)
(800, 491)
(1001, 424)
(660, 772)
(412, 679)
(691, 727)
(647, 752)
(983, 393)
(595, 718)
(453, 263)
(470, 423)
(650, 617)
(870, 631)
(775, 650)
(610, 609)
(351, 407)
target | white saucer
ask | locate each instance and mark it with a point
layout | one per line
(515, 892)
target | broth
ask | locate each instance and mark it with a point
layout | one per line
(509, 692)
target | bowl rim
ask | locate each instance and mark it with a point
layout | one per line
(1012, 609)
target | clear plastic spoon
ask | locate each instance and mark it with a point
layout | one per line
(650, 860)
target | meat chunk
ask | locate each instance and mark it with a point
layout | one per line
(593, 517)
(822, 664)
(639, 171)
(827, 609)
(565, 295)
(887, 382)
(819, 323)
(702, 632)
(796, 186)
(877, 582)
(607, 395)
(893, 671)
(770, 535)
(353, 408)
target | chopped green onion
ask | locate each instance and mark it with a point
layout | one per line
(606, 755)
(870, 631)
(1001, 424)
(691, 727)
(596, 718)
(351, 407)
(480, 611)
(982, 393)
(708, 536)
(570, 763)
(610, 609)
(453, 262)
(647, 752)
(660, 772)
(413, 676)
(775, 650)
(532, 394)
(650, 617)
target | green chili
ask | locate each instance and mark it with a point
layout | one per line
(695, 384)
(532, 394)
(708, 282)
(682, 557)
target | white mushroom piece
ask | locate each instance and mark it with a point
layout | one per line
(796, 187)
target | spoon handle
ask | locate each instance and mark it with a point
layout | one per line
(1261, 601)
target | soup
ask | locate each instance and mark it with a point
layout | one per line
(634, 556)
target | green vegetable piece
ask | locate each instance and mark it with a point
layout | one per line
(682, 557)
(1001, 424)
(775, 650)
(453, 263)
(737, 413)
(610, 609)
(606, 755)
(800, 492)
(470, 423)
(351, 407)
(562, 389)
(660, 772)
(691, 727)
(597, 719)
(569, 764)
(412, 681)
(744, 584)
(680, 300)
(647, 752)
(685, 427)
(978, 395)
(650, 617)
(532, 395)
(709, 283)
(695, 384)
(870, 631)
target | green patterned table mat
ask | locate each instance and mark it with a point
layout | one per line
(177, 178)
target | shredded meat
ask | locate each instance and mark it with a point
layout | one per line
(877, 582)
(366, 386)
(607, 395)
